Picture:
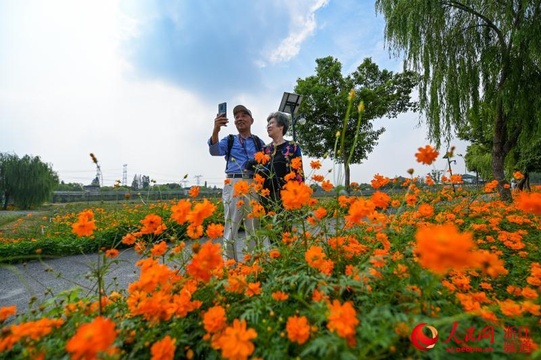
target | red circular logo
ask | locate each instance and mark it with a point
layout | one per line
(420, 340)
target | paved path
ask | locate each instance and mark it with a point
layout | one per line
(41, 280)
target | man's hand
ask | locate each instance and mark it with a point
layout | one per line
(220, 121)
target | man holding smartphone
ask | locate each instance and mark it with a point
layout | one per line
(237, 150)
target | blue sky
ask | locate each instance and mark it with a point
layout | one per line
(138, 82)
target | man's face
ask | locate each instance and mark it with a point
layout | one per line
(243, 121)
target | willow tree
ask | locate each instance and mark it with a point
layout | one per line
(27, 181)
(476, 57)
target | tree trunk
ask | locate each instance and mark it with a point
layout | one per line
(499, 154)
(524, 182)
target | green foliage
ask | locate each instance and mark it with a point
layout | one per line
(28, 181)
(480, 68)
(324, 105)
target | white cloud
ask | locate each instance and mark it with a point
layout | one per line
(302, 25)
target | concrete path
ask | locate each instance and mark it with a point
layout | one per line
(21, 283)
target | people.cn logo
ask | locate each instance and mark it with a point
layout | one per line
(420, 340)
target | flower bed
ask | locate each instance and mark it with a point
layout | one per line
(433, 271)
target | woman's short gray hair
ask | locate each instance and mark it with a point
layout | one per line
(282, 119)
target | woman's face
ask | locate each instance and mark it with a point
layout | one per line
(273, 129)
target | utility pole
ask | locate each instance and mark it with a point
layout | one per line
(125, 175)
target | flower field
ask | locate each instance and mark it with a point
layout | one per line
(429, 271)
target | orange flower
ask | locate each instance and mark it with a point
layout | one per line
(326, 185)
(261, 157)
(152, 224)
(159, 249)
(342, 319)
(296, 163)
(253, 289)
(163, 349)
(320, 212)
(93, 338)
(426, 155)
(194, 191)
(85, 225)
(235, 341)
(318, 178)
(295, 195)
(181, 210)
(200, 212)
(280, 296)
(7, 311)
(442, 247)
(358, 210)
(510, 308)
(380, 199)
(111, 253)
(379, 181)
(241, 188)
(425, 210)
(315, 164)
(214, 319)
(208, 259)
(518, 175)
(529, 202)
(215, 231)
(298, 329)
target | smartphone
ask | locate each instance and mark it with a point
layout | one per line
(222, 109)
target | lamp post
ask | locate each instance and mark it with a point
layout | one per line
(290, 104)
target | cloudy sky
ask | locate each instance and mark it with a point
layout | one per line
(137, 82)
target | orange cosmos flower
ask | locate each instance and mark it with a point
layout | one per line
(379, 181)
(426, 155)
(85, 225)
(280, 296)
(489, 187)
(181, 210)
(518, 175)
(342, 319)
(298, 329)
(93, 338)
(159, 249)
(129, 239)
(296, 163)
(7, 311)
(194, 191)
(215, 231)
(241, 188)
(358, 210)
(510, 308)
(235, 341)
(326, 185)
(111, 253)
(214, 319)
(163, 349)
(253, 289)
(529, 202)
(205, 261)
(380, 199)
(200, 212)
(425, 210)
(318, 178)
(315, 164)
(320, 212)
(261, 157)
(295, 195)
(442, 247)
(152, 224)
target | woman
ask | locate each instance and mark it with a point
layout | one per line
(280, 167)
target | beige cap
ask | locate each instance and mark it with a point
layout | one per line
(238, 108)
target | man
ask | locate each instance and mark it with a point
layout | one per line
(237, 150)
